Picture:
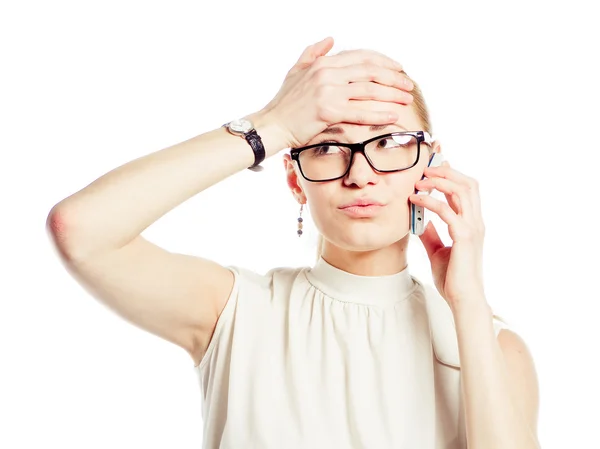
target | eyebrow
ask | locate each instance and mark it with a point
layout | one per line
(338, 130)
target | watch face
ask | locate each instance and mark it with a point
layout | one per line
(240, 126)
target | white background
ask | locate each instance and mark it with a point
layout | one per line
(87, 86)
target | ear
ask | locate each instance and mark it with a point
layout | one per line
(293, 178)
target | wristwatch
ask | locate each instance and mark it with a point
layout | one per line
(245, 128)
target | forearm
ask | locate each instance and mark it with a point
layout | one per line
(118, 206)
(492, 419)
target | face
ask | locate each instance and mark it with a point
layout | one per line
(361, 229)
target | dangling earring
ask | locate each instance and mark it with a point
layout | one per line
(300, 221)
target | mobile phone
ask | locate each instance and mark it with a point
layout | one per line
(418, 216)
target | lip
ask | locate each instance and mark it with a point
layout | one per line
(362, 211)
(362, 208)
(362, 202)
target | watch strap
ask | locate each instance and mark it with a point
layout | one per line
(255, 143)
(257, 147)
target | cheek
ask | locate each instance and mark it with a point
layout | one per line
(320, 203)
(403, 185)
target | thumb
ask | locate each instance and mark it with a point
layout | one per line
(312, 52)
(431, 240)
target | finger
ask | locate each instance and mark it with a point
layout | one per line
(371, 72)
(378, 92)
(456, 196)
(443, 210)
(357, 114)
(446, 172)
(312, 52)
(448, 188)
(350, 57)
(364, 72)
(431, 240)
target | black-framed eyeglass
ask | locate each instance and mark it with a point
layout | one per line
(392, 152)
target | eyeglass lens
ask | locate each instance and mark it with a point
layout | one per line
(330, 160)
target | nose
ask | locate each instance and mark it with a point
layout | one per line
(361, 173)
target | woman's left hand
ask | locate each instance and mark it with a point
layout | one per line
(457, 270)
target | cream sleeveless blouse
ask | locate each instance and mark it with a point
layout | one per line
(321, 358)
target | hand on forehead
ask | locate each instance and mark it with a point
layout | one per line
(407, 121)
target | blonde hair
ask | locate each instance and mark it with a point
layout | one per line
(422, 112)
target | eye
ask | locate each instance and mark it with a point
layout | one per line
(387, 143)
(396, 141)
(325, 149)
(329, 148)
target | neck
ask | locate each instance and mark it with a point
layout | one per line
(377, 262)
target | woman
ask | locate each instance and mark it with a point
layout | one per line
(354, 351)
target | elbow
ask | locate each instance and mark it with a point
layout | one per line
(57, 230)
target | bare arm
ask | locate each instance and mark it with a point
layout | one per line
(96, 233)
(114, 209)
(97, 230)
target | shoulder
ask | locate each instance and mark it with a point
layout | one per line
(250, 278)
(443, 328)
(511, 342)
(250, 302)
(522, 374)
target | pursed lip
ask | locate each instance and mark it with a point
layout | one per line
(362, 202)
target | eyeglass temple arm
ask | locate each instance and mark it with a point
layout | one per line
(429, 138)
